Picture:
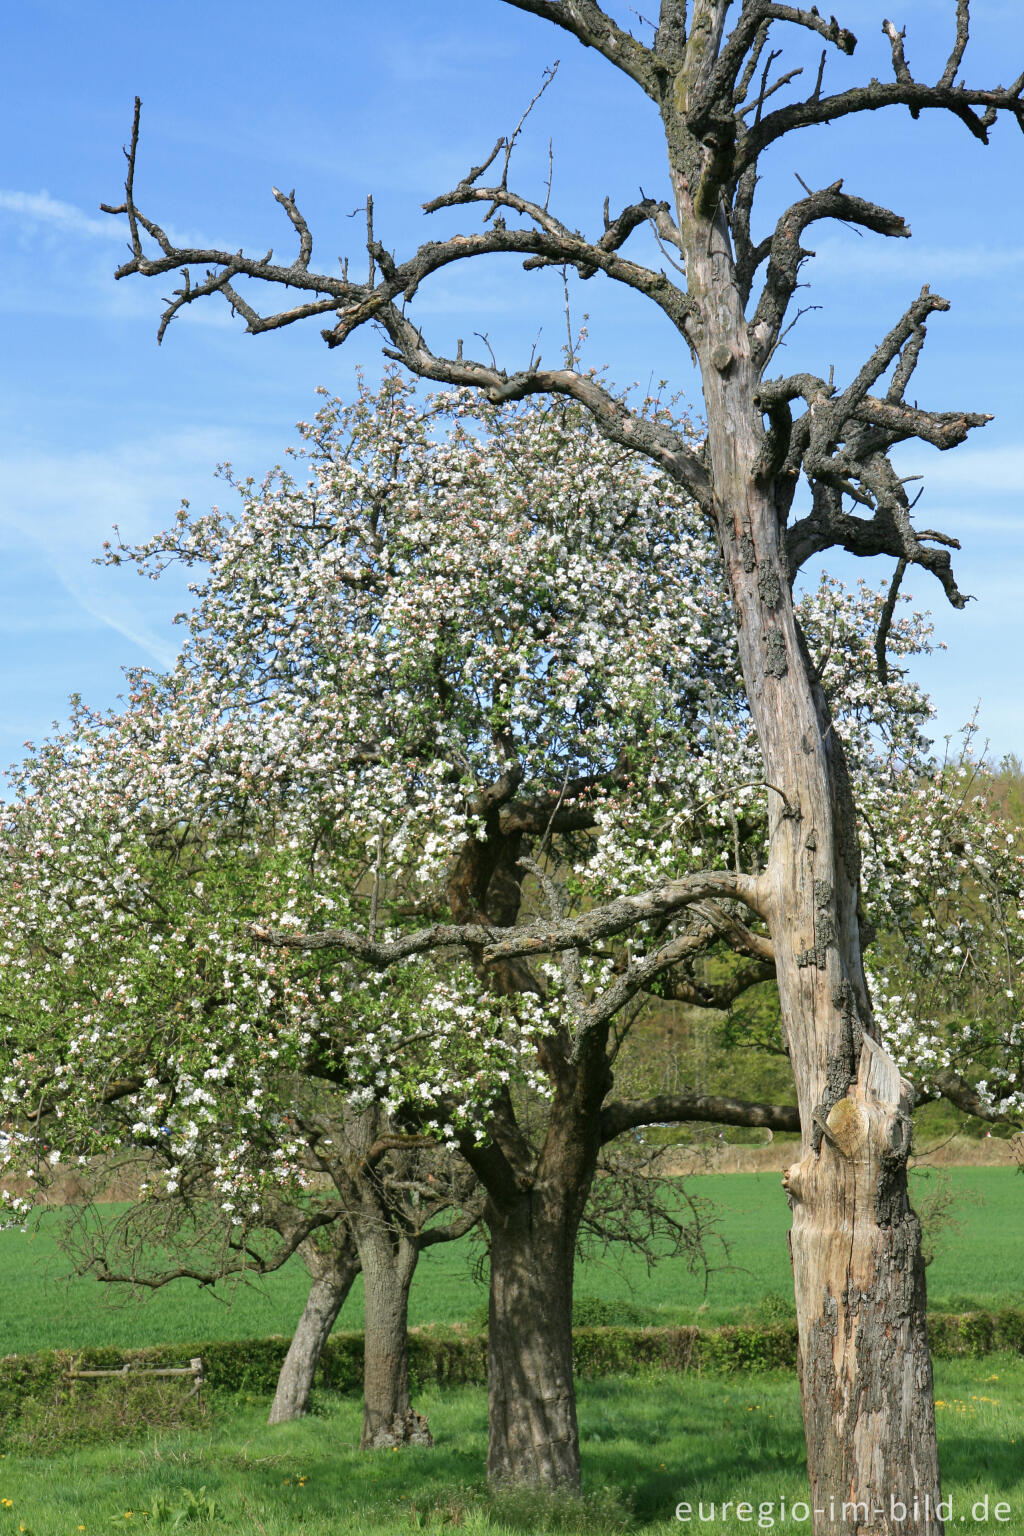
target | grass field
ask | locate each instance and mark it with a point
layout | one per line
(649, 1442)
(978, 1260)
(647, 1446)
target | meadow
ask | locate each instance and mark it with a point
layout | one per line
(977, 1263)
(648, 1446)
(650, 1441)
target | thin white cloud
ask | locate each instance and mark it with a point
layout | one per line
(58, 508)
(41, 208)
(877, 256)
(969, 469)
(111, 610)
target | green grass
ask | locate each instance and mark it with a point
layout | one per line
(647, 1446)
(978, 1261)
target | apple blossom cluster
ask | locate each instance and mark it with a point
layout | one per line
(947, 878)
(451, 589)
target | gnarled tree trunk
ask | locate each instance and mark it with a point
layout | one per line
(533, 1213)
(333, 1274)
(388, 1265)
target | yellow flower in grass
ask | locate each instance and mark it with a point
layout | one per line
(7, 1503)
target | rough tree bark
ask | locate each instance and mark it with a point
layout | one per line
(533, 1214)
(373, 1173)
(531, 1398)
(865, 1371)
(332, 1274)
(388, 1265)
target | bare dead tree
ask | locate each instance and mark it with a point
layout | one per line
(865, 1368)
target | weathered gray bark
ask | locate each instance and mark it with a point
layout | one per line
(864, 1364)
(332, 1274)
(389, 1419)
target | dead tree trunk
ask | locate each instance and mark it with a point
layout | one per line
(333, 1274)
(865, 1368)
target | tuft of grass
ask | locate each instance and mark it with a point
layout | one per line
(96, 1413)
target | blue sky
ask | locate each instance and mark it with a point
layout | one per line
(98, 425)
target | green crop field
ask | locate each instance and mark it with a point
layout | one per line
(978, 1260)
(649, 1444)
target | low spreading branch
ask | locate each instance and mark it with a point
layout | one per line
(535, 938)
(246, 1261)
(664, 1108)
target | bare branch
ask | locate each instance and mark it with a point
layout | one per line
(963, 23)
(888, 532)
(885, 620)
(830, 418)
(626, 912)
(287, 201)
(830, 30)
(736, 934)
(842, 442)
(624, 1115)
(587, 22)
(666, 448)
(559, 246)
(680, 988)
(510, 143)
(532, 938)
(760, 39)
(248, 1261)
(452, 1231)
(394, 1142)
(355, 302)
(873, 97)
(785, 254)
(720, 85)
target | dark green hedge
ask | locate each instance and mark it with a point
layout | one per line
(454, 1356)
